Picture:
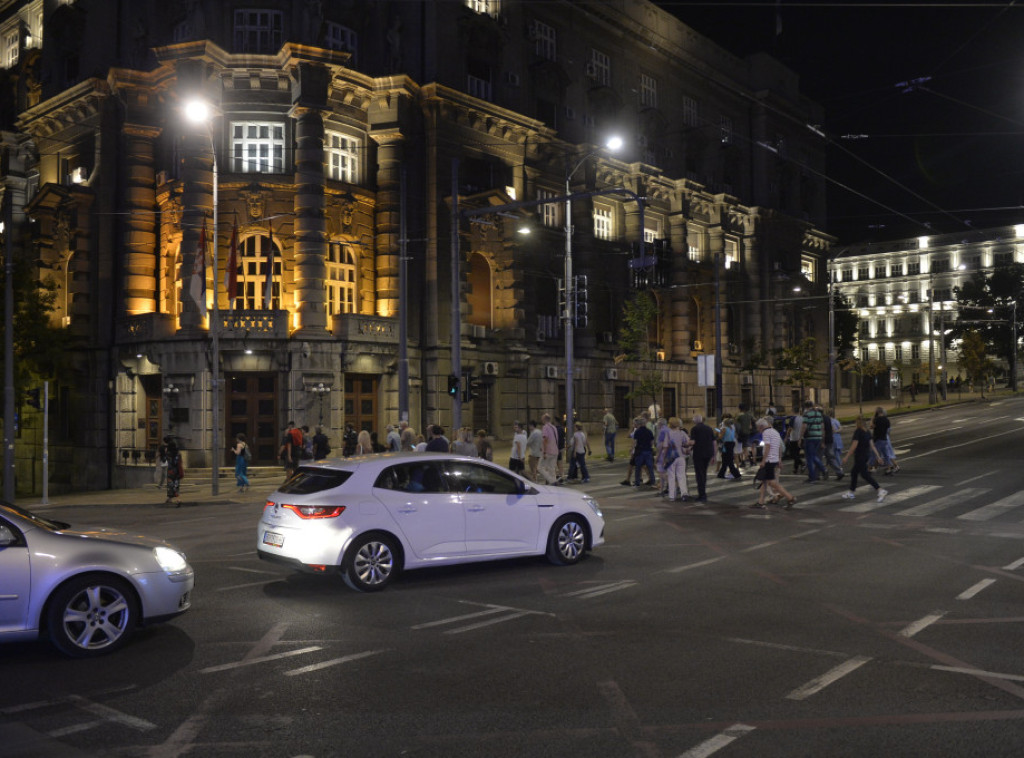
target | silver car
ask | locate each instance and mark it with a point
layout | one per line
(87, 590)
(370, 517)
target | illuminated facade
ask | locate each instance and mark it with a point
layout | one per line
(320, 110)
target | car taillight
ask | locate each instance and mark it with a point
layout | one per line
(315, 511)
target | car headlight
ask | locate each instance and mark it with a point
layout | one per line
(170, 560)
(593, 505)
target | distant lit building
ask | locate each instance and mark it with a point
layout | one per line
(320, 109)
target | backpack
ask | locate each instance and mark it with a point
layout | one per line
(247, 454)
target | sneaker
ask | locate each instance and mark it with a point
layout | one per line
(839, 476)
(848, 496)
(625, 483)
(586, 480)
(881, 494)
(758, 505)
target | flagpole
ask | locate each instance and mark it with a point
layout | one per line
(215, 340)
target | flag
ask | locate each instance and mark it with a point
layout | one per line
(268, 272)
(231, 272)
(197, 287)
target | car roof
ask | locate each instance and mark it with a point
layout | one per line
(379, 460)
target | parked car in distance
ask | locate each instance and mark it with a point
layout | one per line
(85, 589)
(370, 517)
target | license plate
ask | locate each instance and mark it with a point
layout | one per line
(273, 539)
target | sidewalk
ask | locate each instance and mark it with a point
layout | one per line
(196, 489)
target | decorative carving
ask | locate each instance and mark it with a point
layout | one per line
(255, 200)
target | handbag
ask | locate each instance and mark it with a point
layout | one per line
(671, 454)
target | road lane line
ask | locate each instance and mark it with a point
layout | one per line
(962, 444)
(253, 571)
(1015, 565)
(790, 648)
(972, 591)
(829, 677)
(74, 729)
(943, 502)
(602, 589)
(261, 659)
(110, 714)
(501, 620)
(921, 623)
(763, 545)
(698, 564)
(979, 476)
(999, 507)
(979, 672)
(333, 662)
(716, 743)
(491, 610)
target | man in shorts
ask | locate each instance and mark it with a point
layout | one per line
(770, 464)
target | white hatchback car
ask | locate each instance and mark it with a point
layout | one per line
(85, 589)
(370, 517)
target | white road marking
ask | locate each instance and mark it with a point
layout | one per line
(943, 502)
(492, 622)
(979, 476)
(260, 659)
(74, 729)
(698, 564)
(490, 610)
(716, 743)
(895, 497)
(260, 583)
(252, 571)
(603, 589)
(1015, 565)
(921, 623)
(829, 677)
(972, 591)
(790, 648)
(971, 442)
(109, 714)
(997, 508)
(763, 545)
(979, 672)
(942, 530)
(333, 662)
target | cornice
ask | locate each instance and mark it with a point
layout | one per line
(71, 107)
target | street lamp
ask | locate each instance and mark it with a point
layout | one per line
(568, 314)
(198, 112)
(320, 390)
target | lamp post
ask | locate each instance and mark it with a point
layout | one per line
(1013, 346)
(932, 396)
(198, 112)
(9, 430)
(568, 312)
(319, 391)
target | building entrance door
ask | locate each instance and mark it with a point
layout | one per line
(251, 409)
(361, 402)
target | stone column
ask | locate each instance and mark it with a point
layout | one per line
(141, 255)
(390, 153)
(197, 206)
(680, 298)
(310, 220)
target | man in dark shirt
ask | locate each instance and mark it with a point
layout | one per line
(702, 438)
(643, 450)
(438, 442)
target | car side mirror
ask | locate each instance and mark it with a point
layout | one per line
(7, 537)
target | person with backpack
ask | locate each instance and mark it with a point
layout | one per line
(242, 457)
(175, 472)
(321, 445)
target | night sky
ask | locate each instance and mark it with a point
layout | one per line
(940, 155)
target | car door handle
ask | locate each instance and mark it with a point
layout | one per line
(475, 508)
(410, 509)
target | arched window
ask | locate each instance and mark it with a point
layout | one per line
(340, 279)
(253, 257)
(480, 303)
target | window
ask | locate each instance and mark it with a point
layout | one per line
(11, 47)
(258, 31)
(257, 148)
(807, 267)
(470, 477)
(252, 272)
(600, 68)
(490, 7)
(915, 351)
(648, 91)
(478, 79)
(652, 230)
(340, 281)
(603, 223)
(693, 253)
(423, 476)
(880, 271)
(338, 37)
(341, 154)
(895, 269)
(544, 40)
(550, 213)
(732, 253)
(1002, 259)
(939, 265)
(690, 114)
(863, 272)
(913, 268)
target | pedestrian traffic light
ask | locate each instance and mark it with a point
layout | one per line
(472, 388)
(581, 301)
(453, 385)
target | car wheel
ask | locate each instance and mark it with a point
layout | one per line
(371, 562)
(567, 542)
(92, 615)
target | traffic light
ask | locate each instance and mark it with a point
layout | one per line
(472, 389)
(453, 385)
(34, 399)
(581, 301)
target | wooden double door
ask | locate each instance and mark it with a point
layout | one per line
(250, 408)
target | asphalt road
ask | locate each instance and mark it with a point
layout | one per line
(833, 629)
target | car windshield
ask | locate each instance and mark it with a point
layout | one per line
(306, 481)
(39, 521)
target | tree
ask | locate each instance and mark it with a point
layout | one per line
(639, 314)
(41, 350)
(984, 305)
(974, 360)
(869, 368)
(799, 361)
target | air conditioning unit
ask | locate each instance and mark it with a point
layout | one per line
(552, 372)
(511, 79)
(490, 368)
(611, 373)
(161, 178)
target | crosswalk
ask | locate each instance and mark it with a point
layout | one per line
(970, 504)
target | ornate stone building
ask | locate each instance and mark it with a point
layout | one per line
(332, 148)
